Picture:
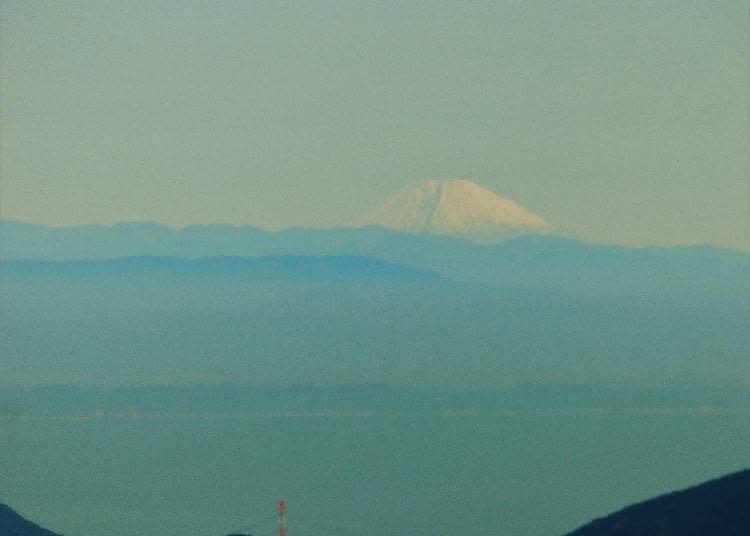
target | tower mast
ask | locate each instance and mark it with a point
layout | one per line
(282, 518)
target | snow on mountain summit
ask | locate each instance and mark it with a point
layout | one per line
(455, 207)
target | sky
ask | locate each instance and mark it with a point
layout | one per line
(617, 122)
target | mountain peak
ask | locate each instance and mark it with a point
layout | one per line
(455, 207)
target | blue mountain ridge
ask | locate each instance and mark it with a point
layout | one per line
(363, 305)
(288, 268)
(530, 261)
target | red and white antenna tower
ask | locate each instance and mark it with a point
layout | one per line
(282, 518)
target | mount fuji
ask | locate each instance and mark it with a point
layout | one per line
(457, 207)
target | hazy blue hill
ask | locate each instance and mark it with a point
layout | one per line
(715, 508)
(23, 240)
(238, 269)
(20, 240)
(532, 261)
(363, 305)
(354, 330)
(12, 524)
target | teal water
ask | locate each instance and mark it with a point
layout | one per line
(523, 474)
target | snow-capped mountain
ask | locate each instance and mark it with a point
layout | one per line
(455, 207)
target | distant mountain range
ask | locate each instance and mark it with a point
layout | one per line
(12, 524)
(531, 261)
(262, 321)
(719, 507)
(237, 269)
(369, 305)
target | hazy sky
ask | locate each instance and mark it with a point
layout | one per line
(618, 121)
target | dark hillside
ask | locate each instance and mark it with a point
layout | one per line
(12, 524)
(719, 507)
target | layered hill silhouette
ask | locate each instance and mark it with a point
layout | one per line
(720, 507)
(530, 261)
(238, 269)
(13, 524)
(369, 305)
